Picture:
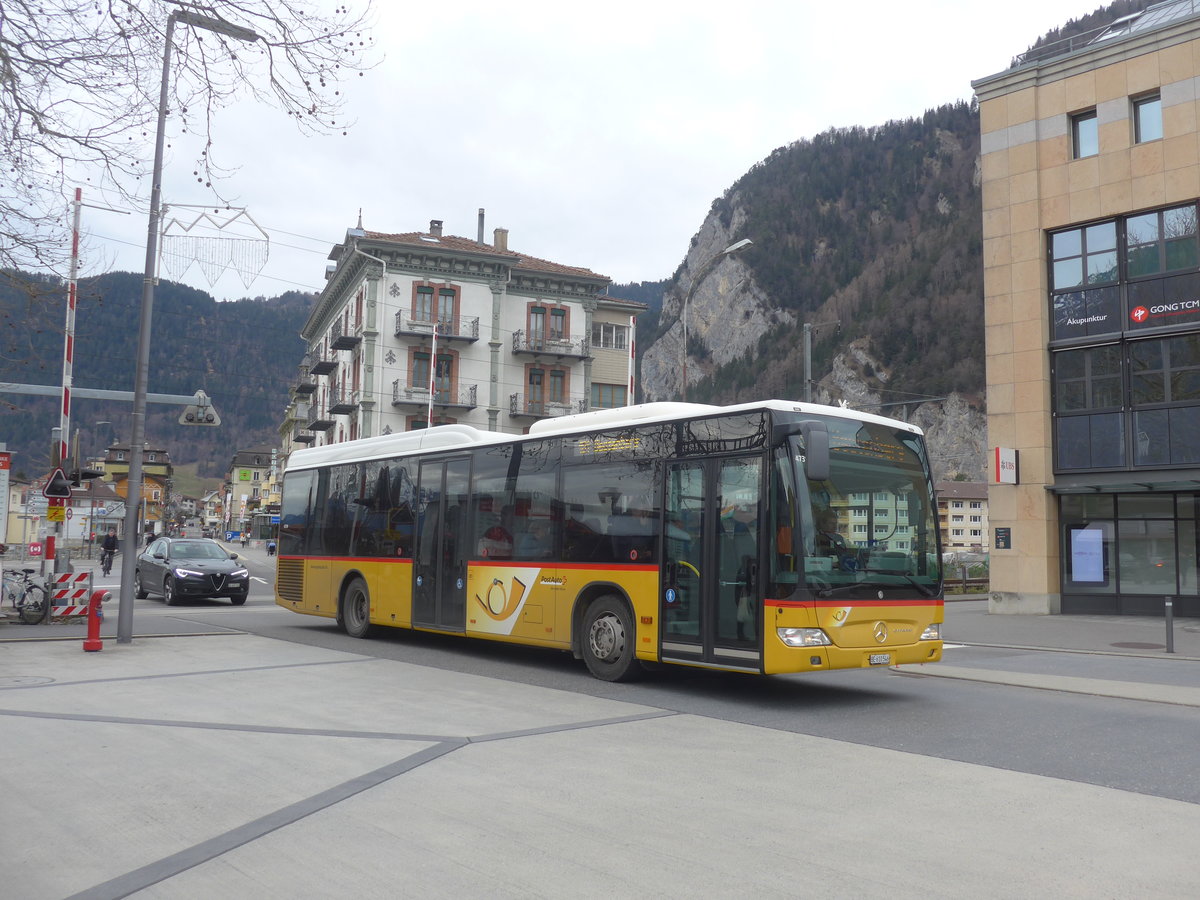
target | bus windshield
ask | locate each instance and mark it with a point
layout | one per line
(871, 525)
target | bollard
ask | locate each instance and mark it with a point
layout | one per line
(1169, 610)
(95, 615)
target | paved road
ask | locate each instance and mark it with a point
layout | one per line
(270, 754)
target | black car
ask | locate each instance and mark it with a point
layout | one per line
(179, 568)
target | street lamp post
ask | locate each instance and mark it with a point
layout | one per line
(700, 274)
(133, 490)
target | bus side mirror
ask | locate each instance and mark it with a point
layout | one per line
(816, 450)
(816, 445)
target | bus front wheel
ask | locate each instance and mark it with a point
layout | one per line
(608, 641)
(356, 610)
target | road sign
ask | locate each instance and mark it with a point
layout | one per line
(57, 487)
(56, 514)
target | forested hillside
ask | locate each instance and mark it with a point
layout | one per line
(243, 354)
(866, 233)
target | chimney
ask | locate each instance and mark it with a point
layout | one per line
(480, 238)
(501, 241)
(435, 227)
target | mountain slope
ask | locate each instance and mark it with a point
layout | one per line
(243, 354)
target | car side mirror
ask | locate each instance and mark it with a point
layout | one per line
(158, 554)
(232, 555)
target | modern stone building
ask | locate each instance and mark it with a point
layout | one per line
(1091, 178)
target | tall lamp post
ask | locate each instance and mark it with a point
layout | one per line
(133, 491)
(700, 275)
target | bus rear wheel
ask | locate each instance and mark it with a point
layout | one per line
(356, 609)
(608, 641)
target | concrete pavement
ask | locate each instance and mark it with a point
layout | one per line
(230, 764)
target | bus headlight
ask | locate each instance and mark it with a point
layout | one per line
(932, 632)
(804, 637)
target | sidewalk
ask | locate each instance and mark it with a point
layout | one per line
(236, 765)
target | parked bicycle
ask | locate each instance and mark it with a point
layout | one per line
(27, 597)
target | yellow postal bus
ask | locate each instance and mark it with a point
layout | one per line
(765, 537)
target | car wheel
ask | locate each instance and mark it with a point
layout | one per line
(356, 609)
(608, 640)
(169, 597)
(238, 599)
(139, 589)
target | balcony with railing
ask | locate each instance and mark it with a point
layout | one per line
(341, 339)
(460, 328)
(319, 418)
(319, 364)
(524, 407)
(560, 348)
(306, 384)
(407, 394)
(302, 436)
(342, 401)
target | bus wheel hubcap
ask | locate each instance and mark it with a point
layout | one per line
(607, 637)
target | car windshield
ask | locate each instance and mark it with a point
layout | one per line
(198, 550)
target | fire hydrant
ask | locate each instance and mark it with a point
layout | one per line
(95, 615)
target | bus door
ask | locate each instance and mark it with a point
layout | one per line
(440, 562)
(711, 598)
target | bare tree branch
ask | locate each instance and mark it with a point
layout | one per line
(79, 84)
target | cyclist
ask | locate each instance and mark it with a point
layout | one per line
(108, 548)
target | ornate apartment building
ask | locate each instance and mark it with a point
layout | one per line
(1091, 185)
(428, 328)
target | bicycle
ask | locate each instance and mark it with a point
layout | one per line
(106, 560)
(27, 597)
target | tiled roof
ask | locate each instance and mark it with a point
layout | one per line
(519, 261)
(961, 490)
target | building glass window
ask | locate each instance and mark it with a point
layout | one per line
(558, 324)
(423, 305)
(1087, 379)
(1161, 241)
(1084, 256)
(445, 309)
(610, 337)
(537, 388)
(1147, 119)
(558, 386)
(420, 370)
(1085, 134)
(537, 327)
(609, 396)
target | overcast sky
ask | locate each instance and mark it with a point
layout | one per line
(599, 135)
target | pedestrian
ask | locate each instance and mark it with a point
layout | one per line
(245, 539)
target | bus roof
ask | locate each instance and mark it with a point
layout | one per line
(449, 437)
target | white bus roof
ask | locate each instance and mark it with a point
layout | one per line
(449, 437)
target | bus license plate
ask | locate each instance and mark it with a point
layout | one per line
(879, 659)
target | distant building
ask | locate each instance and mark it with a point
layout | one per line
(1090, 165)
(157, 472)
(425, 326)
(963, 516)
(248, 488)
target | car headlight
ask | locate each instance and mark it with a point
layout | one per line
(239, 573)
(804, 637)
(932, 632)
(185, 573)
